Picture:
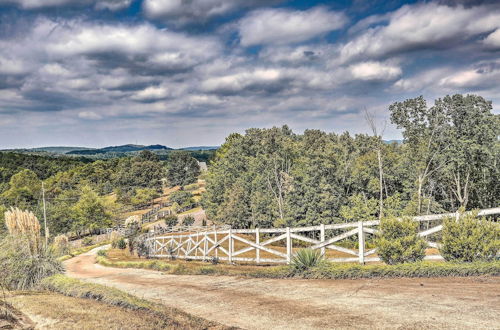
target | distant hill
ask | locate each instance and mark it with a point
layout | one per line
(200, 148)
(118, 149)
(59, 150)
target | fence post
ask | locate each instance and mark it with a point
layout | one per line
(361, 238)
(230, 257)
(216, 243)
(288, 246)
(322, 237)
(257, 241)
(205, 247)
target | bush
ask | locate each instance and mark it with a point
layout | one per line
(188, 220)
(114, 238)
(121, 244)
(470, 239)
(102, 253)
(20, 268)
(306, 258)
(180, 197)
(61, 245)
(87, 241)
(171, 220)
(398, 241)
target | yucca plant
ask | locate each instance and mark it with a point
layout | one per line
(306, 258)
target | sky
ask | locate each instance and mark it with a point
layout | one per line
(190, 72)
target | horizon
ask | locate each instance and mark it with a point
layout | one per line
(107, 72)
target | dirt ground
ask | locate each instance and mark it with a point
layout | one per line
(430, 303)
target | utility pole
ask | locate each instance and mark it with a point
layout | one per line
(45, 217)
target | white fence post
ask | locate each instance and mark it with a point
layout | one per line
(361, 240)
(288, 246)
(257, 241)
(230, 256)
(322, 238)
(205, 247)
(215, 240)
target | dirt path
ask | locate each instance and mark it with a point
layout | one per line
(454, 303)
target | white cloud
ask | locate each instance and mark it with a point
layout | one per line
(196, 11)
(375, 71)
(151, 93)
(40, 4)
(493, 40)
(422, 26)
(90, 115)
(284, 26)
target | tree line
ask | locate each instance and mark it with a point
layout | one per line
(89, 195)
(449, 158)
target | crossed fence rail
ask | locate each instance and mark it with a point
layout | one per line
(260, 245)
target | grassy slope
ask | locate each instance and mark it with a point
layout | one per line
(326, 270)
(161, 315)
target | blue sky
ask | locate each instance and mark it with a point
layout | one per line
(190, 72)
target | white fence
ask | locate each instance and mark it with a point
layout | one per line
(260, 245)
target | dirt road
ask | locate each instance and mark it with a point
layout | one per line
(439, 303)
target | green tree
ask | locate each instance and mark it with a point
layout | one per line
(182, 169)
(91, 211)
(24, 189)
(144, 196)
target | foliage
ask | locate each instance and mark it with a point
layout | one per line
(329, 270)
(188, 220)
(470, 239)
(91, 211)
(24, 224)
(273, 177)
(144, 196)
(183, 198)
(182, 169)
(21, 268)
(102, 253)
(121, 244)
(61, 245)
(306, 258)
(24, 189)
(398, 241)
(87, 241)
(171, 220)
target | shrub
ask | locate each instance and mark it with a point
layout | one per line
(470, 239)
(180, 197)
(171, 220)
(114, 238)
(87, 241)
(306, 258)
(121, 244)
(20, 268)
(61, 245)
(188, 220)
(398, 241)
(102, 253)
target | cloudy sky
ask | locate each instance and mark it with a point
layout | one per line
(189, 72)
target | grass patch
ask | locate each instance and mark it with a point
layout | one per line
(325, 269)
(171, 317)
(81, 250)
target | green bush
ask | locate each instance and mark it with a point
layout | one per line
(21, 268)
(87, 241)
(470, 239)
(398, 241)
(102, 253)
(188, 220)
(306, 258)
(183, 198)
(171, 220)
(121, 244)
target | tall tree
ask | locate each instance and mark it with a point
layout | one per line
(182, 169)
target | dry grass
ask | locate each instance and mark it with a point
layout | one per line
(56, 311)
(24, 223)
(145, 314)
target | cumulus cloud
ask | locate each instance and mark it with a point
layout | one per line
(41, 4)
(493, 40)
(89, 115)
(375, 71)
(196, 11)
(284, 26)
(422, 26)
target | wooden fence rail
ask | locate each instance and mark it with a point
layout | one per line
(276, 245)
